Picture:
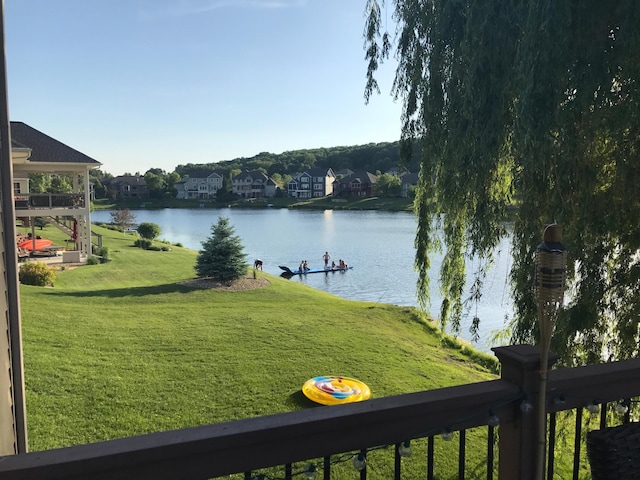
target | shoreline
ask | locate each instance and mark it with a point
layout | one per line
(324, 203)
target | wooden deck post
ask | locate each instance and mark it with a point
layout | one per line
(518, 439)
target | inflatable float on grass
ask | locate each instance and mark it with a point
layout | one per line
(37, 244)
(335, 390)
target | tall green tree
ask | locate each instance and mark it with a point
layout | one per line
(535, 103)
(222, 255)
(156, 183)
(39, 182)
(61, 184)
(388, 185)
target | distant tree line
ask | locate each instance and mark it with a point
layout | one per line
(373, 157)
(376, 158)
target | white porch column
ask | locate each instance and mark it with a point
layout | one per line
(86, 236)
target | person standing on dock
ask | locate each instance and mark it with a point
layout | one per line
(326, 257)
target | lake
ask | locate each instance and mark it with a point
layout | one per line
(378, 245)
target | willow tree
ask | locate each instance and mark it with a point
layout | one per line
(531, 105)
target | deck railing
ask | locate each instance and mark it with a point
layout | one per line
(49, 200)
(325, 433)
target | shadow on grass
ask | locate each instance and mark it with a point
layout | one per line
(129, 292)
(298, 399)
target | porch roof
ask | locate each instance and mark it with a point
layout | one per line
(47, 151)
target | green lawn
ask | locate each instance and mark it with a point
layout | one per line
(122, 348)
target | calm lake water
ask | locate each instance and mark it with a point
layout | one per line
(379, 246)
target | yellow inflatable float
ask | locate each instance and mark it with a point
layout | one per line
(329, 390)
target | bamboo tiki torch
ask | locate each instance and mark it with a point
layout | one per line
(549, 283)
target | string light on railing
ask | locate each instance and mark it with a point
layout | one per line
(359, 461)
(310, 472)
(593, 408)
(559, 401)
(404, 449)
(493, 420)
(526, 407)
(447, 434)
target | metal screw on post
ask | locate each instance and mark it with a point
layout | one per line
(549, 284)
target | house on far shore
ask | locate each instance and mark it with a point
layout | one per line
(359, 184)
(343, 172)
(199, 184)
(312, 183)
(126, 187)
(397, 171)
(408, 180)
(253, 185)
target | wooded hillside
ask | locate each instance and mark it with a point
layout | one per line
(371, 157)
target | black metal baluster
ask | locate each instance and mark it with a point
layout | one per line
(430, 455)
(461, 454)
(326, 468)
(603, 416)
(363, 472)
(396, 462)
(288, 474)
(490, 439)
(247, 475)
(552, 445)
(627, 414)
(576, 448)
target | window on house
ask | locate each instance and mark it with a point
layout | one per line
(16, 188)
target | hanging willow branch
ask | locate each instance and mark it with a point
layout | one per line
(531, 107)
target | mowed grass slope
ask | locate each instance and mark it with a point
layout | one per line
(123, 348)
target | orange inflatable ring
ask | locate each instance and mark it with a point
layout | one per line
(328, 390)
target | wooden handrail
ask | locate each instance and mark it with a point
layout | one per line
(247, 445)
(243, 445)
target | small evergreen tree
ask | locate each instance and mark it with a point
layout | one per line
(222, 256)
(40, 222)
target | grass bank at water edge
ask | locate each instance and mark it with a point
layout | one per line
(123, 348)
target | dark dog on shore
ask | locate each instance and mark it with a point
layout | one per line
(257, 264)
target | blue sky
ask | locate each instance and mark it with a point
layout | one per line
(138, 84)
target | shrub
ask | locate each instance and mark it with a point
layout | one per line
(143, 243)
(37, 273)
(93, 261)
(104, 254)
(108, 226)
(149, 230)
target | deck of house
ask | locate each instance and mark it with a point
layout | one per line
(309, 443)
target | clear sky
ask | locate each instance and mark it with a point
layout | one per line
(137, 84)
